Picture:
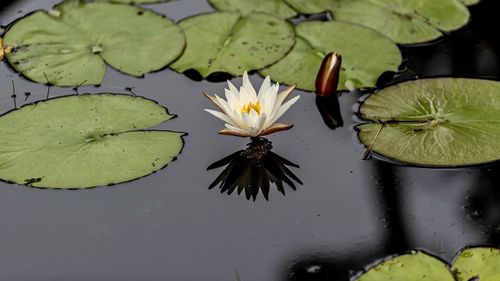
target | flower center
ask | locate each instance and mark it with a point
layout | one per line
(251, 106)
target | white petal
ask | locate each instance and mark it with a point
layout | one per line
(231, 98)
(269, 100)
(266, 85)
(221, 116)
(232, 88)
(283, 109)
(228, 110)
(233, 128)
(280, 99)
(249, 87)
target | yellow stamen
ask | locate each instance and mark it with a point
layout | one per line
(251, 106)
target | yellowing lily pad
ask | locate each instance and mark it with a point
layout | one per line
(274, 7)
(232, 43)
(435, 122)
(83, 141)
(416, 266)
(404, 21)
(69, 45)
(366, 54)
(480, 263)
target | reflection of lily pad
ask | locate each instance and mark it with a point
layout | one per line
(70, 44)
(85, 141)
(274, 7)
(416, 266)
(436, 122)
(480, 263)
(404, 21)
(231, 43)
(365, 55)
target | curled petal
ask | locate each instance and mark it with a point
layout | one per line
(277, 127)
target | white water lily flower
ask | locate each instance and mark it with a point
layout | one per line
(248, 114)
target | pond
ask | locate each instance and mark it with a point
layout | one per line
(347, 214)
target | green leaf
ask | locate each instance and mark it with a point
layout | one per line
(71, 43)
(481, 263)
(365, 55)
(134, 2)
(435, 122)
(83, 141)
(231, 43)
(404, 21)
(416, 266)
(274, 7)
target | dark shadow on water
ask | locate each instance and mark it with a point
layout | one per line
(388, 191)
(329, 108)
(254, 170)
(483, 203)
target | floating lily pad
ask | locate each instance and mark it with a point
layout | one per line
(85, 141)
(435, 122)
(405, 22)
(232, 43)
(365, 55)
(480, 263)
(71, 44)
(134, 2)
(416, 266)
(274, 7)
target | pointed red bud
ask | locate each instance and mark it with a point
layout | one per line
(327, 79)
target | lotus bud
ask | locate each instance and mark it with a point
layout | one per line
(327, 79)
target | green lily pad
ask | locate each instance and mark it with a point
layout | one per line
(435, 122)
(416, 266)
(481, 263)
(83, 141)
(274, 7)
(365, 55)
(404, 21)
(134, 2)
(232, 43)
(70, 44)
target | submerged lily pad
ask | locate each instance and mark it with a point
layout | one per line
(435, 122)
(85, 141)
(232, 43)
(274, 7)
(70, 44)
(416, 266)
(365, 55)
(480, 263)
(403, 21)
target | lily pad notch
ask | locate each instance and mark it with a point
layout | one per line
(438, 122)
(84, 141)
(72, 43)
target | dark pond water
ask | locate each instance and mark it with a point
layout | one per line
(170, 226)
